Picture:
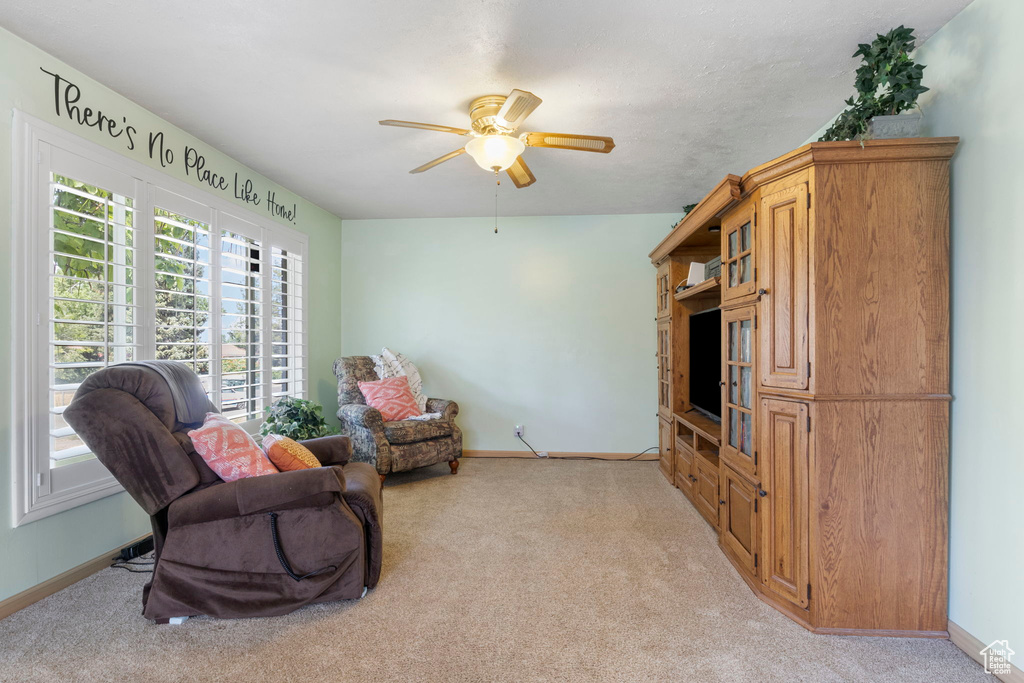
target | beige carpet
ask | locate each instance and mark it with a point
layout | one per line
(512, 570)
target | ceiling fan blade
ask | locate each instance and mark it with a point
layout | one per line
(517, 107)
(440, 160)
(582, 143)
(424, 126)
(520, 173)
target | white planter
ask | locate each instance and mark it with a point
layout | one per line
(898, 126)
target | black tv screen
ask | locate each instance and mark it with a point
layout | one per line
(706, 362)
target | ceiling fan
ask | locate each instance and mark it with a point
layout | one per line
(494, 145)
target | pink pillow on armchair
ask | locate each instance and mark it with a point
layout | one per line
(229, 450)
(392, 397)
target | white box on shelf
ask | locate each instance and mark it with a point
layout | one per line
(696, 275)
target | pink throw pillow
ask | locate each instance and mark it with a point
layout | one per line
(392, 397)
(229, 450)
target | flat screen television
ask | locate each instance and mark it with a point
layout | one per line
(706, 362)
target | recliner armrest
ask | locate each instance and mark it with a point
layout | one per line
(314, 487)
(448, 409)
(364, 496)
(361, 415)
(330, 450)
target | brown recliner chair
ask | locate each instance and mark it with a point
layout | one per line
(260, 546)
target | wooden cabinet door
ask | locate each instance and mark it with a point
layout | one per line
(664, 289)
(685, 474)
(706, 490)
(738, 253)
(783, 259)
(665, 370)
(665, 449)
(738, 393)
(738, 518)
(785, 553)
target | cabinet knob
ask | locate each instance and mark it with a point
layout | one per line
(762, 291)
(762, 493)
(721, 502)
(722, 383)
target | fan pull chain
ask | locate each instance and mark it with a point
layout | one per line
(497, 184)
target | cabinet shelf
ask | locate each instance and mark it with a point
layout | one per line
(710, 456)
(703, 425)
(710, 289)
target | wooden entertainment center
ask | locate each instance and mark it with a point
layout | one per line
(827, 477)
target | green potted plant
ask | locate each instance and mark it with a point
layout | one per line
(888, 82)
(295, 418)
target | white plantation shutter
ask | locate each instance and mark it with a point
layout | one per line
(92, 296)
(76, 264)
(288, 338)
(243, 357)
(117, 262)
(183, 282)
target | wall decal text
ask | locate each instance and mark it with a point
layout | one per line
(68, 104)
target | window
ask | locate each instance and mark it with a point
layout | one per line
(287, 353)
(241, 331)
(119, 263)
(182, 270)
(92, 311)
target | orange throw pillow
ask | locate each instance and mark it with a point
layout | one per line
(229, 450)
(392, 397)
(288, 454)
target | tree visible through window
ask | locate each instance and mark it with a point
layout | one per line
(241, 348)
(182, 294)
(92, 297)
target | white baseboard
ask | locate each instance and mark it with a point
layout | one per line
(973, 647)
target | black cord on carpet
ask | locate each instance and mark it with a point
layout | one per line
(134, 566)
(583, 457)
(591, 457)
(130, 570)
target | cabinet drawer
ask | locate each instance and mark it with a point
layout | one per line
(685, 475)
(665, 450)
(706, 490)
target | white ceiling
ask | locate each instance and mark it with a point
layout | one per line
(689, 90)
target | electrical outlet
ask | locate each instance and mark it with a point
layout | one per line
(518, 432)
(542, 454)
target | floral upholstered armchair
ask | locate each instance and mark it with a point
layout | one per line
(393, 446)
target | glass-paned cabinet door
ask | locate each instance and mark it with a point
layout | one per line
(738, 252)
(665, 369)
(738, 390)
(664, 289)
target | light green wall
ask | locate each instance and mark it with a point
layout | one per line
(549, 323)
(35, 552)
(973, 70)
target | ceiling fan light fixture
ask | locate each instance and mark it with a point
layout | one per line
(495, 152)
(495, 144)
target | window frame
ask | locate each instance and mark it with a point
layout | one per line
(35, 494)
